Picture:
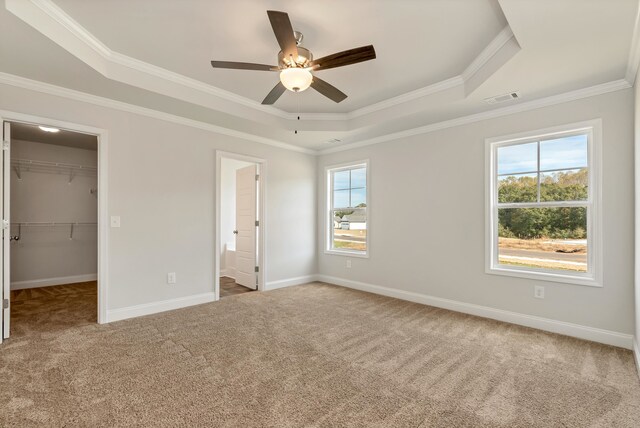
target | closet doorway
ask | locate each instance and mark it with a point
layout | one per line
(239, 225)
(50, 239)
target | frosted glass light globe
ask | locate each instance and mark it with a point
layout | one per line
(296, 79)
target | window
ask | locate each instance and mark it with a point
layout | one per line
(347, 213)
(542, 211)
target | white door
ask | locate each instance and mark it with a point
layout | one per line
(5, 174)
(246, 216)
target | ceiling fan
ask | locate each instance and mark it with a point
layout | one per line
(296, 63)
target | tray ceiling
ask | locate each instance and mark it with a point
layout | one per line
(437, 59)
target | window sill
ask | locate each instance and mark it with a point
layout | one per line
(545, 276)
(359, 254)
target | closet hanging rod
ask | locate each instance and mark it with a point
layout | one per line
(53, 223)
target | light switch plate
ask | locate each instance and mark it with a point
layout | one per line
(115, 221)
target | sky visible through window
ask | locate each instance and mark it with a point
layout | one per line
(350, 188)
(560, 153)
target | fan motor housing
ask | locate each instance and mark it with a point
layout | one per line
(304, 58)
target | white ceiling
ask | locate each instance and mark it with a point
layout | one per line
(417, 43)
(556, 46)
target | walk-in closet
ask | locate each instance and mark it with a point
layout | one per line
(53, 228)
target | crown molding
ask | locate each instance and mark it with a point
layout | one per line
(591, 91)
(409, 96)
(114, 65)
(46, 88)
(53, 22)
(489, 52)
(385, 104)
(77, 30)
(634, 52)
(505, 35)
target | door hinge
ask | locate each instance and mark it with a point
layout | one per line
(257, 177)
(5, 224)
(5, 304)
(257, 223)
(5, 145)
(257, 269)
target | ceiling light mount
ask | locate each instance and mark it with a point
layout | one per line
(303, 60)
(48, 129)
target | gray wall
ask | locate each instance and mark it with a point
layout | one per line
(427, 217)
(162, 185)
(47, 253)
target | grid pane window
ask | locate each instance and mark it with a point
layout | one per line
(543, 204)
(348, 209)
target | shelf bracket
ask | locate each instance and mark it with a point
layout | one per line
(16, 168)
(71, 176)
(71, 233)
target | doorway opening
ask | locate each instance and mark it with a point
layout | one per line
(240, 216)
(50, 237)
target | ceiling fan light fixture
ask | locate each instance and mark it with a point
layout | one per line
(296, 63)
(296, 79)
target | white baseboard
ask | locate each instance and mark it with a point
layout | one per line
(155, 307)
(274, 285)
(47, 282)
(636, 353)
(568, 329)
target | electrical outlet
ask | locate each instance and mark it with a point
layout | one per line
(348, 265)
(538, 292)
(171, 278)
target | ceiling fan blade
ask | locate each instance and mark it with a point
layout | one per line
(243, 66)
(284, 33)
(275, 93)
(328, 90)
(351, 56)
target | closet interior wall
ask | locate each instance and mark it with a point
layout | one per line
(53, 214)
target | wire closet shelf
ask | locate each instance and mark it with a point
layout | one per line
(72, 170)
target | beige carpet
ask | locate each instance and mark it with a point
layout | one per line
(314, 355)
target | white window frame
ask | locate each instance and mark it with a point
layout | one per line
(329, 207)
(593, 277)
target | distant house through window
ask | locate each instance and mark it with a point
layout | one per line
(347, 213)
(543, 193)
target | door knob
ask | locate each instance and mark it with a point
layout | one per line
(235, 232)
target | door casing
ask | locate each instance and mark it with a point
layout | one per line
(6, 231)
(262, 200)
(103, 212)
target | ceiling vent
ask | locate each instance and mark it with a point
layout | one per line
(502, 98)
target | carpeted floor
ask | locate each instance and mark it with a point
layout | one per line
(313, 355)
